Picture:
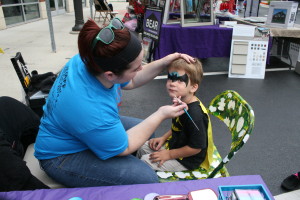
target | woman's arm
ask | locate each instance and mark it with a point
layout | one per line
(151, 70)
(140, 133)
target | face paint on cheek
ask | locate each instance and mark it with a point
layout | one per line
(174, 76)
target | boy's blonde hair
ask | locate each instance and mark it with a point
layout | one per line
(193, 70)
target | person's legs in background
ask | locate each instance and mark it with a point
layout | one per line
(112, 9)
(189, 4)
(291, 182)
(18, 128)
(241, 5)
(19, 123)
(14, 173)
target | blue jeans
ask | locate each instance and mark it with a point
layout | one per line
(85, 169)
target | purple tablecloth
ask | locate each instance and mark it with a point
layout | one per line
(199, 42)
(127, 192)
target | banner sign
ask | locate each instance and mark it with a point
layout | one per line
(152, 23)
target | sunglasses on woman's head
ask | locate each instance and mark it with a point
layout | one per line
(107, 35)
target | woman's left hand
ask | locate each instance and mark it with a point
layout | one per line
(174, 56)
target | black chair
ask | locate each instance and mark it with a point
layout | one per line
(34, 97)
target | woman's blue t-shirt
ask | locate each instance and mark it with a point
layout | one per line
(80, 113)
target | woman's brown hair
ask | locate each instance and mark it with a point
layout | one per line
(86, 36)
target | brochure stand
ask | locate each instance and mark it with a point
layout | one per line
(248, 55)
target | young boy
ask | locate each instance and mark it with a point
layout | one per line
(184, 146)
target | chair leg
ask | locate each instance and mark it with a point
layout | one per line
(105, 18)
(102, 15)
(96, 17)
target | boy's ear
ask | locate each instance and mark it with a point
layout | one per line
(194, 88)
(109, 75)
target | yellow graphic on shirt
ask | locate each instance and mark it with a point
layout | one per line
(176, 127)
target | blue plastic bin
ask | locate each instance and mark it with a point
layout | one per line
(226, 191)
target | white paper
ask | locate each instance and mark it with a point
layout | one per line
(230, 23)
(243, 30)
(205, 194)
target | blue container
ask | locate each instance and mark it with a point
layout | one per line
(225, 192)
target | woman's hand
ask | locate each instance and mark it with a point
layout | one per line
(177, 101)
(172, 111)
(169, 58)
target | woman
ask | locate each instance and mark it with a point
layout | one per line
(82, 140)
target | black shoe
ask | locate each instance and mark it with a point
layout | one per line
(291, 182)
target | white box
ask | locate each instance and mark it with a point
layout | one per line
(282, 14)
(251, 64)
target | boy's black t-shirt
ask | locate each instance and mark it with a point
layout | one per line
(185, 133)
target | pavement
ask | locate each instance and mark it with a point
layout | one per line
(33, 40)
(293, 195)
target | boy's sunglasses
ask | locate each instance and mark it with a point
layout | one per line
(106, 35)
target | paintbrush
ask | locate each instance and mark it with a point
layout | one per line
(180, 102)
